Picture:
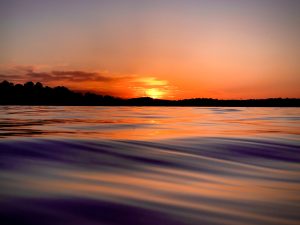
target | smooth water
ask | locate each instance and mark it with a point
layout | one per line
(149, 165)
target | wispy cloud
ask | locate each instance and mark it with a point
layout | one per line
(69, 75)
(101, 82)
(34, 73)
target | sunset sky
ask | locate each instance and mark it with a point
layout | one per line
(169, 49)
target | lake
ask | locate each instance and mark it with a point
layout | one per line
(149, 165)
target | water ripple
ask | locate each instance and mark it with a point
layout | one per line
(199, 180)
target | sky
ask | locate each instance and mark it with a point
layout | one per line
(171, 49)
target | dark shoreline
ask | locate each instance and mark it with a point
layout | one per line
(168, 106)
(37, 95)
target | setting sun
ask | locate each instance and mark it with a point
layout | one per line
(154, 93)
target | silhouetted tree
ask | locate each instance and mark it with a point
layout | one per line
(38, 85)
(29, 84)
(37, 94)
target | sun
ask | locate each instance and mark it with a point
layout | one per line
(154, 93)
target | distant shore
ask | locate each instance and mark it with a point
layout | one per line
(37, 94)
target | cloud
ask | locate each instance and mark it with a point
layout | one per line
(9, 77)
(31, 73)
(25, 68)
(25, 73)
(100, 82)
(69, 75)
(151, 81)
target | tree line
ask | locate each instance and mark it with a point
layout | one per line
(37, 94)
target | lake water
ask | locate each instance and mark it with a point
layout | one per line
(149, 165)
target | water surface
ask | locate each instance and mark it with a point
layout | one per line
(149, 165)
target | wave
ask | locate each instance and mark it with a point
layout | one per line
(196, 180)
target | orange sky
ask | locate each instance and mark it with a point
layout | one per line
(162, 49)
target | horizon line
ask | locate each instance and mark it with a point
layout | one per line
(143, 97)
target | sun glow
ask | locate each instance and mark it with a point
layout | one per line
(154, 93)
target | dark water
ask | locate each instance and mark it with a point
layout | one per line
(149, 165)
